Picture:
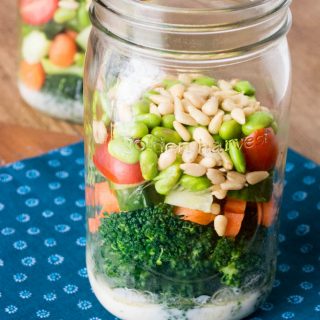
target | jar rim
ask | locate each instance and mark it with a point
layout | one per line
(193, 31)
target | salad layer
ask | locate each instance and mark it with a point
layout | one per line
(182, 193)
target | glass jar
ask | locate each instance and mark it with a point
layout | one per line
(186, 122)
(54, 36)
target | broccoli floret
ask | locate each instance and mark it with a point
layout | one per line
(143, 249)
(232, 259)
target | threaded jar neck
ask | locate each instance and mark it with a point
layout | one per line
(195, 27)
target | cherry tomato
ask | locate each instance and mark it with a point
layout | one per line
(114, 169)
(261, 150)
(37, 12)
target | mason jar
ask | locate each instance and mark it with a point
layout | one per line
(186, 124)
(54, 36)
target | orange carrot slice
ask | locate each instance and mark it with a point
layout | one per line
(32, 75)
(267, 213)
(62, 50)
(94, 224)
(72, 34)
(196, 216)
(234, 223)
(235, 206)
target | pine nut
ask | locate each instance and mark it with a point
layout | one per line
(208, 162)
(184, 78)
(227, 117)
(182, 131)
(240, 100)
(202, 91)
(218, 192)
(221, 95)
(233, 82)
(193, 169)
(99, 131)
(220, 225)
(195, 99)
(216, 122)
(256, 176)
(157, 99)
(154, 109)
(228, 104)
(234, 176)
(265, 109)
(199, 116)
(164, 93)
(177, 90)
(215, 176)
(215, 208)
(185, 118)
(226, 160)
(203, 137)
(190, 153)
(167, 158)
(166, 108)
(228, 185)
(238, 115)
(71, 5)
(248, 110)
(224, 85)
(178, 104)
(210, 108)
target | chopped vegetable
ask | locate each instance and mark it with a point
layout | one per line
(267, 213)
(235, 206)
(35, 46)
(234, 223)
(32, 75)
(63, 50)
(196, 216)
(37, 12)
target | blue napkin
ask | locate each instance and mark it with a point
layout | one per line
(42, 242)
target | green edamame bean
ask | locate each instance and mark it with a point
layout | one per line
(167, 179)
(275, 127)
(245, 87)
(218, 140)
(149, 164)
(205, 81)
(195, 184)
(124, 149)
(168, 83)
(79, 59)
(168, 135)
(141, 107)
(63, 15)
(256, 121)
(230, 130)
(152, 142)
(135, 130)
(83, 16)
(167, 121)
(149, 93)
(237, 156)
(149, 119)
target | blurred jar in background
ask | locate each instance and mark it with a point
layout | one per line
(54, 36)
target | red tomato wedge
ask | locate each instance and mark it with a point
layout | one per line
(37, 12)
(261, 150)
(114, 169)
(193, 215)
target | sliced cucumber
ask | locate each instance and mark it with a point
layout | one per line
(51, 68)
(83, 37)
(191, 200)
(35, 46)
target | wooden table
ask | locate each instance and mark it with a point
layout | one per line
(19, 124)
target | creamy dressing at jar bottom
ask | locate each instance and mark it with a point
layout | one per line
(128, 304)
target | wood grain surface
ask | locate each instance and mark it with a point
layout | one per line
(305, 111)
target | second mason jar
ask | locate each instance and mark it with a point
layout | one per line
(54, 36)
(186, 108)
